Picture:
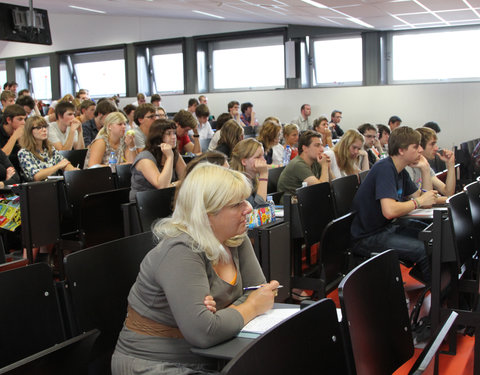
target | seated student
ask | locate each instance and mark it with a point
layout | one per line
(185, 122)
(234, 110)
(141, 99)
(334, 125)
(8, 174)
(6, 98)
(68, 98)
(38, 157)
(247, 157)
(159, 165)
(423, 175)
(320, 125)
(129, 110)
(111, 138)
(213, 157)
(311, 165)
(87, 111)
(222, 119)
(156, 100)
(28, 104)
(192, 105)
(381, 143)
(290, 136)
(232, 133)
(189, 291)
(394, 122)
(204, 129)
(67, 132)
(270, 137)
(144, 117)
(348, 156)
(386, 194)
(432, 125)
(248, 115)
(369, 132)
(93, 126)
(11, 130)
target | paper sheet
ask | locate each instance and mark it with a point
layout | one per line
(266, 321)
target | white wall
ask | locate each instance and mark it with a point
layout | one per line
(82, 31)
(455, 106)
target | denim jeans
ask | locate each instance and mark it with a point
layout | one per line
(401, 236)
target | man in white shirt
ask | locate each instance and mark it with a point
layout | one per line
(67, 132)
(204, 128)
(303, 121)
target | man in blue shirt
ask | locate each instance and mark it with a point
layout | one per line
(385, 196)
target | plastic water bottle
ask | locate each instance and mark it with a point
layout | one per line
(287, 153)
(271, 204)
(112, 161)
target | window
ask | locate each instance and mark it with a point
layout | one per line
(3, 73)
(101, 72)
(248, 63)
(435, 56)
(167, 63)
(40, 77)
(338, 61)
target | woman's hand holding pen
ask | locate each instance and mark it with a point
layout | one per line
(262, 298)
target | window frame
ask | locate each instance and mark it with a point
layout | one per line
(145, 50)
(71, 76)
(207, 43)
(313, 68)
(389, 53)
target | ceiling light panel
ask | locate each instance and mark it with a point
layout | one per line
(436, 5)
(399, 7)
(458, 15)
(362, 11)
(419, 18)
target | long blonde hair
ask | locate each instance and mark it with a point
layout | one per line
(205, 191)
(342, 151)
(28, 141)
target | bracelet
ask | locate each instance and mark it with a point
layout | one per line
(196, 135)
(263, 179)
(414, 203)
(132, 148)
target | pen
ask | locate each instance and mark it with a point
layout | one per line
(257, 287)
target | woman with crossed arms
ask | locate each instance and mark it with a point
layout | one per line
(189, 291)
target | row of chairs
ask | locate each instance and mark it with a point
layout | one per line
(77, 319)
(321, 221)
(373, 338)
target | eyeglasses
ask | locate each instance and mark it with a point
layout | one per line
(369, 136)
(152, 116)
(39, 127)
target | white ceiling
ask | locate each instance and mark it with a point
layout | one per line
(378, 14)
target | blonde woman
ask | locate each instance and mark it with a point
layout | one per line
(111, 138)
(348, 156)
(290, 135)
(248, 158)
(189, 291)
(269, 137)
(38, 158)
(320, 125)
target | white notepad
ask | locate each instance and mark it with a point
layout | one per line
(266, 321)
